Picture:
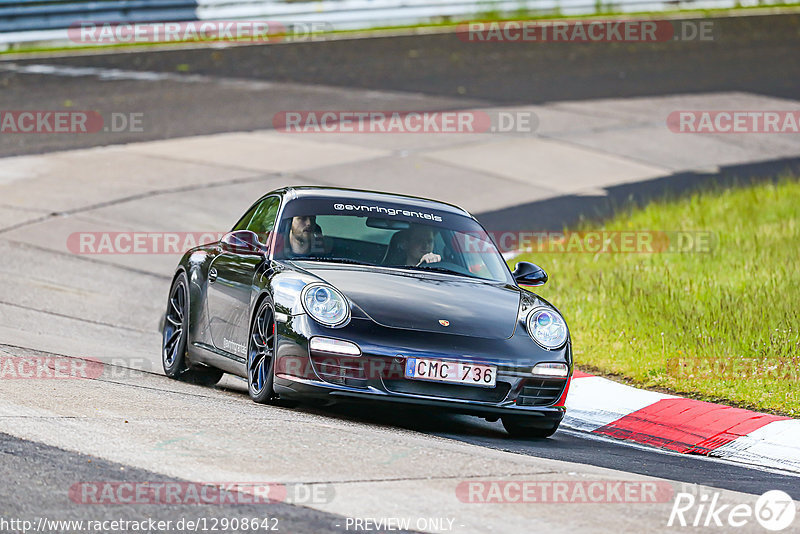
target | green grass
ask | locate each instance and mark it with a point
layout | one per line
(720, 325)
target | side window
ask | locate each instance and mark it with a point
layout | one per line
(263, 220)
(245, 220)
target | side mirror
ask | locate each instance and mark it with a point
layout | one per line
(242, 242)
(529, 274)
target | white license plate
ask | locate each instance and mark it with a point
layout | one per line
(469, 374)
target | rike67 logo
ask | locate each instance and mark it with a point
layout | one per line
(774, 510)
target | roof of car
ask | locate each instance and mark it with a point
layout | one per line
(360, 195)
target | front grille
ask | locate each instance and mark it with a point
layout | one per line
(450, 391)
(540, 391)
(343, 370)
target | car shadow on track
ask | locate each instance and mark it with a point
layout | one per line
(417, 419)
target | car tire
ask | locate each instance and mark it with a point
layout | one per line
(523, 427)
(174, 339)
(261, 353)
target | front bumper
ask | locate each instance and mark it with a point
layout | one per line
(377, 375)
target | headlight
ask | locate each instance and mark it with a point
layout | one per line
(547, 328)
(325, 304)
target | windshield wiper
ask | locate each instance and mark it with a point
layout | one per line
(327, 258)
(433, 268)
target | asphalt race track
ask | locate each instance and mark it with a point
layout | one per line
(132, 424)
(573, 446)
(753, 54)
(56, 470)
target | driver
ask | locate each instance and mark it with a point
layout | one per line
(305, 236)
(419, 247)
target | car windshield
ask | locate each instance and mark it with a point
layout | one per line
(388, 235)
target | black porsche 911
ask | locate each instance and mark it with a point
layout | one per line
(337, 294)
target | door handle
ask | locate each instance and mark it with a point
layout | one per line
(212, 275)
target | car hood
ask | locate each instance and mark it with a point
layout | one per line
(419, 301)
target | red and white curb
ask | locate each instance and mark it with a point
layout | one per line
(688, 426)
